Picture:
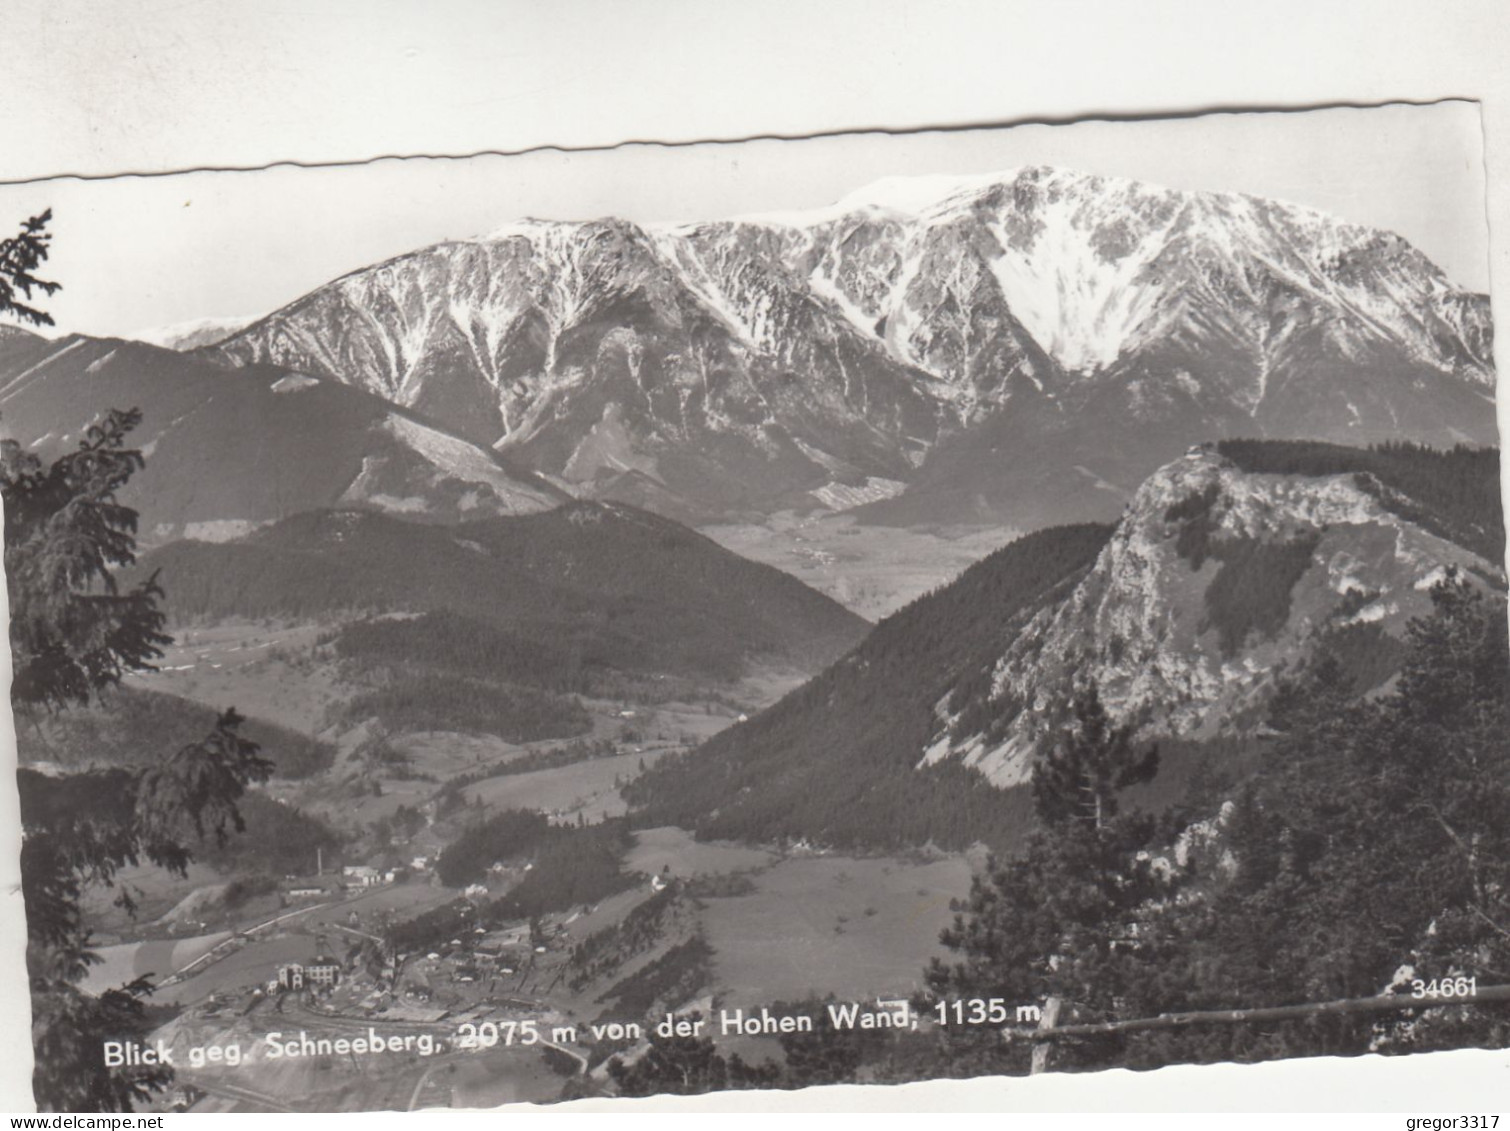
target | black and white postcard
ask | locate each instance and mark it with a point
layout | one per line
(861, 610)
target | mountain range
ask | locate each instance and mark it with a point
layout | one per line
(1012, 349)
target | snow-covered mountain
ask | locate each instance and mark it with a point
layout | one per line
(1013, 347)
(194, 333)
(1218, 579)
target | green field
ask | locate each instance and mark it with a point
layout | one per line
(674, 848)
(587, 788)
(402, 900)
(257, 668)
(254, 964)
(856, 928)
(160, 957)
(444, 753)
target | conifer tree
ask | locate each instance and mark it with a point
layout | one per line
(1092, 761)
(20, 256)
(73, 633)
(1371, 840)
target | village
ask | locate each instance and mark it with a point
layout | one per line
(303, 992)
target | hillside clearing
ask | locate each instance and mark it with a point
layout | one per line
(853, 927)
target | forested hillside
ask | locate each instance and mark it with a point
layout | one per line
(570, 865)
(1454, 493)
(129, 726)
(587, 586)
(458, 644)
(834, 761)
(1368, 851)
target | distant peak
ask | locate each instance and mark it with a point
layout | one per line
(194, 332)
(904, 196)
(533, 227)
(919, 193)
(524, 226)
(916, 196)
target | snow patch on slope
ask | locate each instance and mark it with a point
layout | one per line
(462, 460)
(843, 496)
(293, 383)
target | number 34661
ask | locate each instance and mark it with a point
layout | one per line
(1444, 987)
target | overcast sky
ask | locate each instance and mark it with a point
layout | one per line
(138, 253)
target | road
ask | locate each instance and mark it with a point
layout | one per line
(445, 1058)
(419, 1085)
(238, 1093)
(208, 958)
(354, 931)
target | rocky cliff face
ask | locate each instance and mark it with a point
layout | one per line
(1215, 582)
(924, 335)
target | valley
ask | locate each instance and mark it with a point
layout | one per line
(461, 989)
(871, 570)
(368, 814)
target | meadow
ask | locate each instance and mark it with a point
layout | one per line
(857, 928)
(588, 788)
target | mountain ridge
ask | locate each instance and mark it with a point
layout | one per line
(194, 332)
(752, 364)
(1216, 580)
(230, 448)
(614, 586)
(1234, 565)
